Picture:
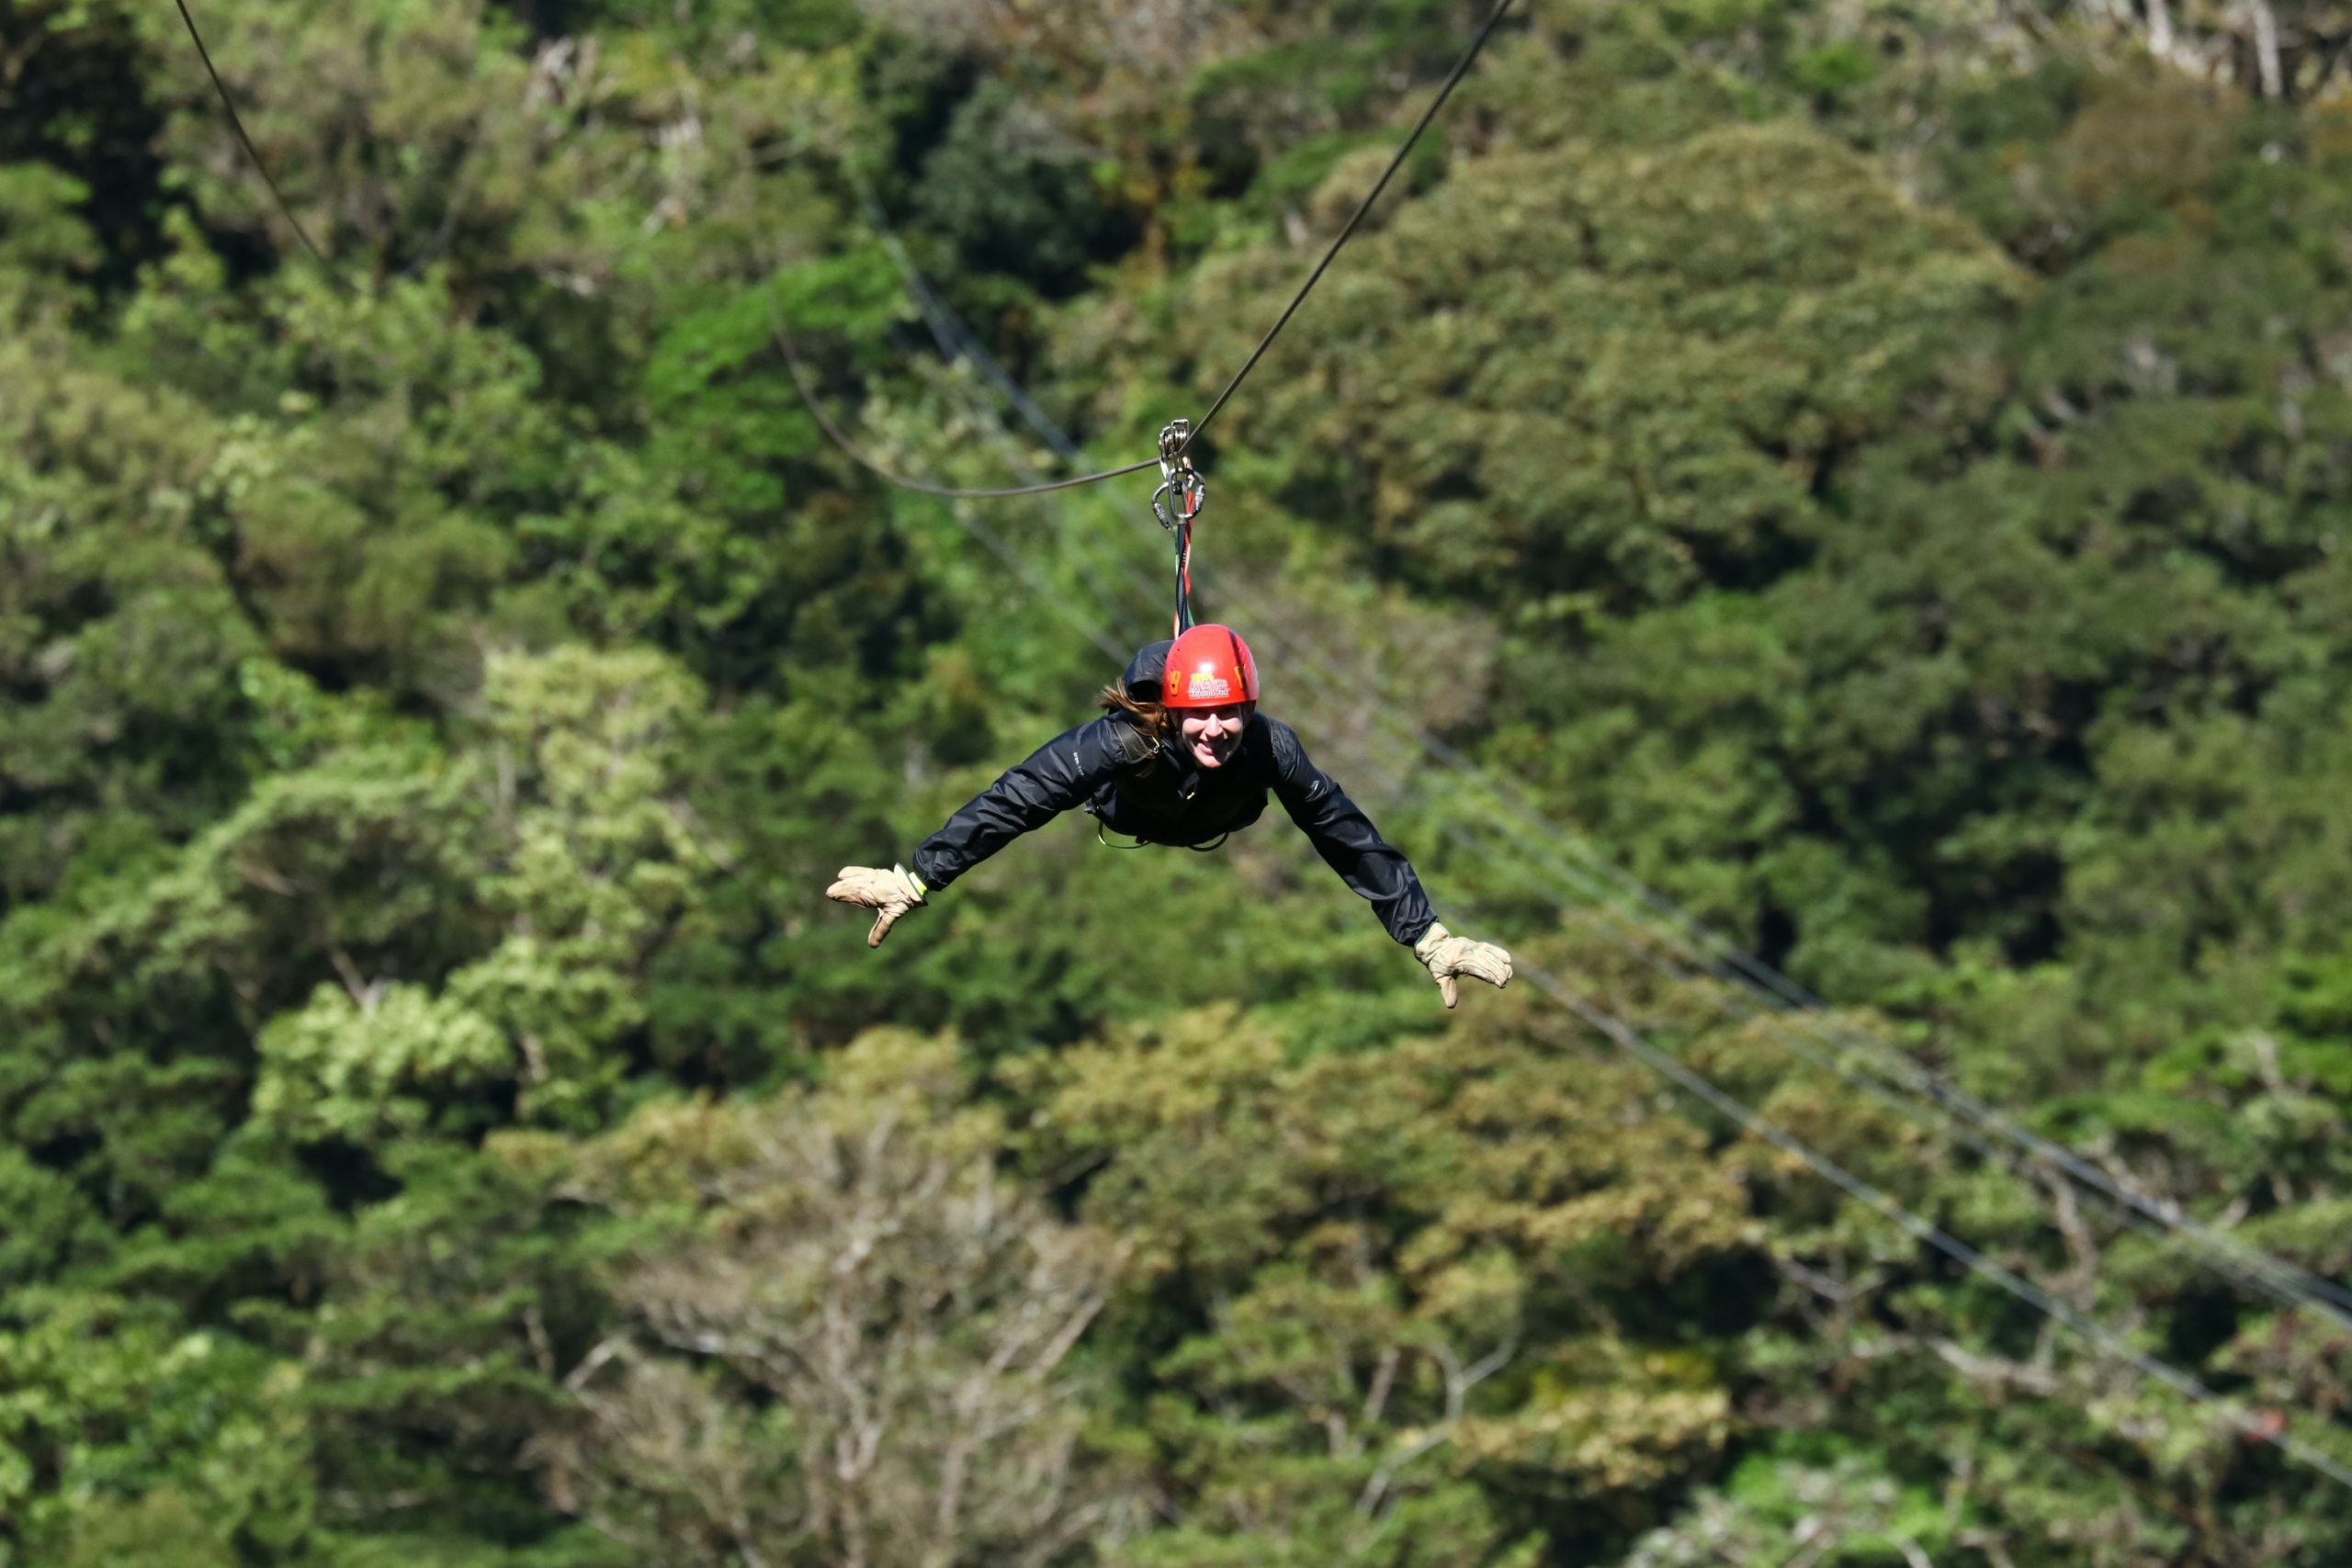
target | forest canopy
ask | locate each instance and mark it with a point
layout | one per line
(1865, 480)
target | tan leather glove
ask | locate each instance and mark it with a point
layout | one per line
(1448, 955)
(890, 893)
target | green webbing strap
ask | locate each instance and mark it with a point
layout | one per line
(1102, 838)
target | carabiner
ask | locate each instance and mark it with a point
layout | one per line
(1179, 501)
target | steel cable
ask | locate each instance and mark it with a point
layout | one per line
(237, 123)
(1453, 78)
(804, 382)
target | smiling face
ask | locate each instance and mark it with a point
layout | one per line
(1212, 735)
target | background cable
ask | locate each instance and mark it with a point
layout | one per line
(1686, 950)
(802, 382)
(2109, 1344)
(237, 123)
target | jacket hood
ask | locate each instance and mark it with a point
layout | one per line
(1146, 670)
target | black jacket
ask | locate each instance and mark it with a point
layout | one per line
(1156, 794)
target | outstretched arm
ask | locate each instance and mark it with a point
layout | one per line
(1346, 840)
(1056, 776)
(1368, 863)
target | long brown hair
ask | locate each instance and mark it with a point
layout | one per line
(1154, 721)
(1150, 720)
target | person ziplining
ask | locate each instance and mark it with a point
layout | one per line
(1181, 756)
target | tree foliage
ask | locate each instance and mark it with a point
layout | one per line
(1877, 471)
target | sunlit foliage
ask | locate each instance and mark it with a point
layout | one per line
(1878, 470)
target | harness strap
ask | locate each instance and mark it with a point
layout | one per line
(1101, 837)
(1185, 575)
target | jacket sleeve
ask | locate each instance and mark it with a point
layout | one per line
(1057, 775)
(1346, 840)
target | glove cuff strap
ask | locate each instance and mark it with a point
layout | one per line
(1430, 940)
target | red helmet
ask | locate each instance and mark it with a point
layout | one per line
(1210, 667)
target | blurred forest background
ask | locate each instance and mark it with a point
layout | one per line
(1875, 471)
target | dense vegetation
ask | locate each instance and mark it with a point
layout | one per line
(1877, 471)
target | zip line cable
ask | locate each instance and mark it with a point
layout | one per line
(431, 251)
(2111, 1345)
(1517, 858)
(1891, 1069)
(2247, 1266)
(1461, 69)
(1897, 1076)
(804, 382)
(1775, 994)
(948, 330)
(1767, 994)
(1892, 1075)
(237, 123)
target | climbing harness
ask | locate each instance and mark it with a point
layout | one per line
(1177, 503)
(1101, 837)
